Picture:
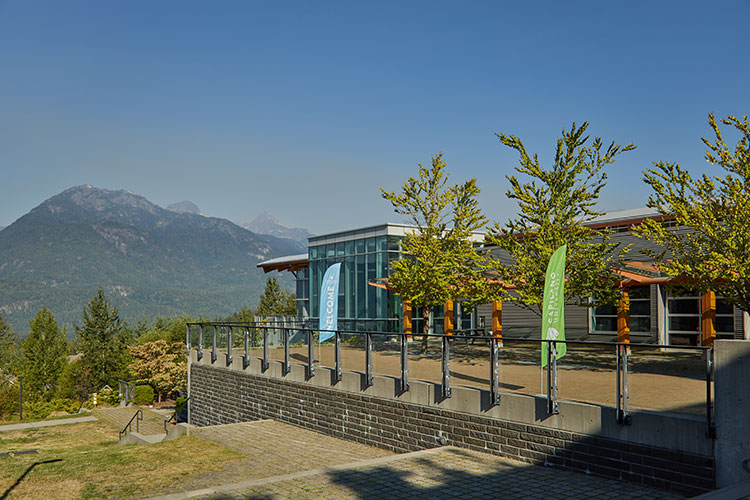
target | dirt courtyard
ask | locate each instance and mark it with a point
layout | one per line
(660, 381)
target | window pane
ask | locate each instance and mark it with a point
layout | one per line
(639, 292)
(331, 250)
(605, 310)
(723, 307)
(640, 308)
(370, 245)
(340, 249)
(349, 248)
(382, 243)
(360, 246)
(640, 324)
(393, 243)
(684, 323)
(725, 324)
(605, 324)
(683, 306)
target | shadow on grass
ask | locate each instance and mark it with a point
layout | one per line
(26, 473)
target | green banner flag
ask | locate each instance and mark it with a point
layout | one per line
(553, 306)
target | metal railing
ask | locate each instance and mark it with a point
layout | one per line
(138, 418)
(622, 355)
(126, 392)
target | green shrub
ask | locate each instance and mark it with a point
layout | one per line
(109, 396)
(144, 394)
(42, 409)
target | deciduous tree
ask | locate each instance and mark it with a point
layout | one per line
(161, 365)
(441, 262)
(8, 344)
(554, 205)
(708, 243)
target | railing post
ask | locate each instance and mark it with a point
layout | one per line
(285, 332)
(229, 345)
(246, 358)
(494, 374)
(310, 354)
(446, 387)
(213, 347)
(553, 407)
(337, 354)
(264, 363)
(404, 362)
(200, 342)
(710, 425)
(623, 416)
(368, 359)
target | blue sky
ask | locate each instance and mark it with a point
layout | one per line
(304, 109)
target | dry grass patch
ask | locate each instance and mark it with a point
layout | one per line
(82, 461)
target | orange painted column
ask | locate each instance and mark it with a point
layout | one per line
(708, 318)
(407, 318)
(497, 319)
(623, 318)
(448, 319)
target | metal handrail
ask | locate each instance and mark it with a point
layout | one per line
(622, 353)
(138, 417)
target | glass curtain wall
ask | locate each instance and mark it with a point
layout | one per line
(361, 306)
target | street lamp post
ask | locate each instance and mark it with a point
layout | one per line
(20, 399)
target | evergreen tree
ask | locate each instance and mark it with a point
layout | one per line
(8, 344)
(276, 301)
(102, 341)
(43, 355)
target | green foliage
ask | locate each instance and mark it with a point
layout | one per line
(103, 343)
(9, 397)
(144, 394)
(553, 207)
(441, 263)
(244, 315)
(109, 396)
(74, 381)
(170, 330)
(276, 301)
(36, 410)
(43, 356)
(712, 247)
(8, 345)
(161, 365)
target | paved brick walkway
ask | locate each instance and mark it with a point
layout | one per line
(285, 462)
(153, 422)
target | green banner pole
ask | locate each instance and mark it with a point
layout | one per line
(553, 305)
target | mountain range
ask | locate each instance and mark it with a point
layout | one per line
(149, 260)
(265, 223)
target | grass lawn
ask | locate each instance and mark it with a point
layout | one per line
(83, 461)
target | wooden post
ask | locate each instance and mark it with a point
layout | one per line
(448, 319)
(708, 318)
(623, 318)
(407, 318)
(497, 319)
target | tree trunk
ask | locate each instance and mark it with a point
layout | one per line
(426, 310)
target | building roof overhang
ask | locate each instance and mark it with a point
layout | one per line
(287, 263)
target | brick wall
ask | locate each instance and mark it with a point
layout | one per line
(220, 396)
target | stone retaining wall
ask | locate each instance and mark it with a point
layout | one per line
(222, 395)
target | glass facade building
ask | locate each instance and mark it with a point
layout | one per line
(365, 255)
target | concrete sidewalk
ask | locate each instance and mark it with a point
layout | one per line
(47, 423)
